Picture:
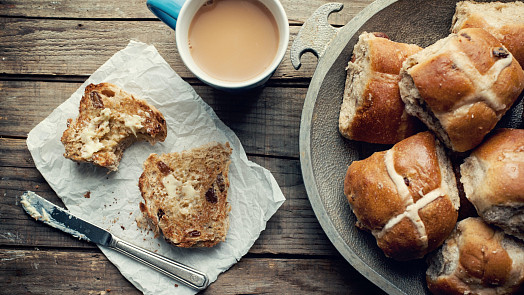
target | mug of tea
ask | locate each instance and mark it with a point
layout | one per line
(231, 45)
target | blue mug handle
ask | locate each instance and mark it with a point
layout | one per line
(166, 10)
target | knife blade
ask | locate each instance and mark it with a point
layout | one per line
(54, 216)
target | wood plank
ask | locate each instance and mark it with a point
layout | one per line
(54, 272)
(28, 271)
(14, 153)
(16, 227)
(267, 121)
(25, 104)
(294, 229)
(297, 14)
(79, 47)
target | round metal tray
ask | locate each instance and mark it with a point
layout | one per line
(325, 154)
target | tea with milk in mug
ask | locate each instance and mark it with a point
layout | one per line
(233, 40)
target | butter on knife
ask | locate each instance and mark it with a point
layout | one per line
(52, 215)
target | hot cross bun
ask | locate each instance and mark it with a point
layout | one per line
(461, 86)
(406, 196)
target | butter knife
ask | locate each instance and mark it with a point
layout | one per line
(47, 212)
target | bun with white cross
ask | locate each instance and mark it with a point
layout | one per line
(505, 21)
(461, 86)
(406, 196)
(372, 110)
(493, 179)
(477, 259)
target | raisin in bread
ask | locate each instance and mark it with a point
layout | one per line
(109, 121)
(505, 21)
(185, 195)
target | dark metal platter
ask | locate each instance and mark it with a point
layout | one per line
(325, 154)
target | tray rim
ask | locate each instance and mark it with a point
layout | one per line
(325, 63)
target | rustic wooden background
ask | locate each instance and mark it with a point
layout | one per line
(48, 48)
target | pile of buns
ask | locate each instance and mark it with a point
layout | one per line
(409, 196)
(185, 194)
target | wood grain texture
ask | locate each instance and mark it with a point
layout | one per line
(91, 273)
(14, 153)
(267, 121)
(94, 9)
(60, 272)
(79, 47)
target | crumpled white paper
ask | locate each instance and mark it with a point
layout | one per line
(254, 194)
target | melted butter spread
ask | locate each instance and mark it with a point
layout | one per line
(181, 195)
(45, 216)
(30, 208)
(99, 126)
(26, 201)
(189, 191)
(171, 184)
(90, 136)
(133, 122)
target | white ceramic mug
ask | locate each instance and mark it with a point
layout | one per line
(178, 14)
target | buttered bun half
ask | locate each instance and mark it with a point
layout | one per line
(493, 179)
(461, 86)
(406, 196)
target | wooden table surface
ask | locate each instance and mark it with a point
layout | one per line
(48, 48)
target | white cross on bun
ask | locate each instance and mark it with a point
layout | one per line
(477, 259)
(406, 196)
(505, 21)
(461, 86)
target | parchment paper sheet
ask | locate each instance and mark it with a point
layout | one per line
(254, 194)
